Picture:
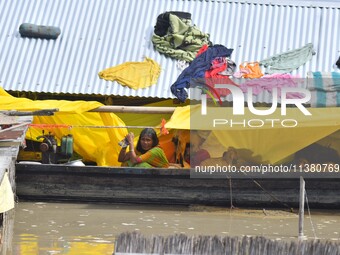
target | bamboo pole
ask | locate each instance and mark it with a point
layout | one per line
(301, 208)
(134, 109)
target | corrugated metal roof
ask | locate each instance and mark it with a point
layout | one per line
(97, 34)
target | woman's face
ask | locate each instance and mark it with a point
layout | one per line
(146, 142)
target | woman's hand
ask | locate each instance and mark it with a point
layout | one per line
(130, 138)
(132, 155)
(123, 156)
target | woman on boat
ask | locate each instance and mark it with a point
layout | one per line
(148, 153)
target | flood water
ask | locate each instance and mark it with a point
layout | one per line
(72, 229)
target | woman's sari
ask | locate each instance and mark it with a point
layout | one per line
(154, 157)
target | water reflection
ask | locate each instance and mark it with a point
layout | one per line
(57, 228)
(61, 228)
(27, 244)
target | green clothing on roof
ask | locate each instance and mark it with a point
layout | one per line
(288, 61)
(182, 41)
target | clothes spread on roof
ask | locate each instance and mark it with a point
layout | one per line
(249, 70)
(136, 75)
(288, 61)
(325, 88)
(217, 74)
(271, 81)
(194, 74)
(230, 68)
(176, 36)
(220, 69)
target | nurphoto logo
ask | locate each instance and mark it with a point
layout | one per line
(257, 117)
(238, 100)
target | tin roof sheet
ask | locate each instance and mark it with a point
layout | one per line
(99, 34)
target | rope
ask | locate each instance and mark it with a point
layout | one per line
(83, 126)
(271, 195)
(163, 129)
(259, 185)
(310, 216)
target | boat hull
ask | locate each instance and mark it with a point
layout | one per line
(167, 186)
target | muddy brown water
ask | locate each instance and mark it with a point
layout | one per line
(72, 229)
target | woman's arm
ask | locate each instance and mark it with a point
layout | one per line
(132, 154)
(123, 155)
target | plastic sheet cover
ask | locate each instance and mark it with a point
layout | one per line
(270, 144)
(96, 135)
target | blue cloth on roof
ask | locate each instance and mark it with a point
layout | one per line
(325, 89)
(197, 69)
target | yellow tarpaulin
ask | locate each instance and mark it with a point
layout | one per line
(266, 143)
(92, 140)
(270, 142)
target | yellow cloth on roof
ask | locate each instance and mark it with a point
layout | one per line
(136, 75)
(267, 143)
(93, 143)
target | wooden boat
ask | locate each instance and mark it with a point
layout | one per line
(58, 182)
